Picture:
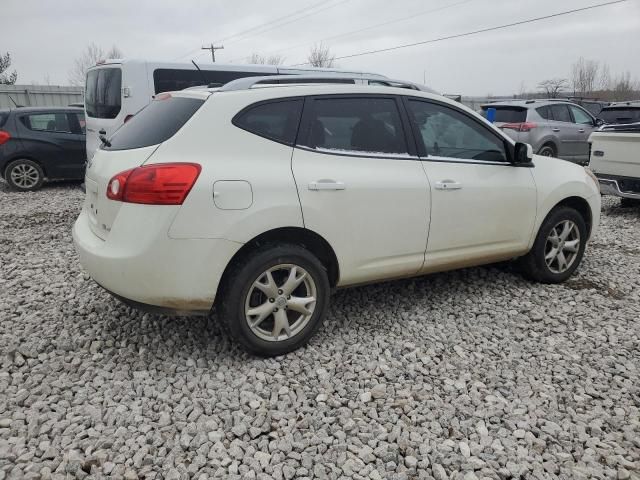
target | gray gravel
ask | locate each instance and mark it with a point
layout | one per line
(465, 375)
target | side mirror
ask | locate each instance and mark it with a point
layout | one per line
(522, 154)
(599, 122)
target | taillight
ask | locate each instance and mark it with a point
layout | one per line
(520, 126)
(4, 137)
(161, 184)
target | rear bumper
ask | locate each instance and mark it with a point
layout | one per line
(144, 267)
(617, 187)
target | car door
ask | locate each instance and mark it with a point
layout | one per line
(584, 125)
(77, 146)
(565, 131)
(483, 207)
(361, 185)
(47, 137)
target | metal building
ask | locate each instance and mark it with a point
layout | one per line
(39, 95)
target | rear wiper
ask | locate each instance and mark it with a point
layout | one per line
(104, 140)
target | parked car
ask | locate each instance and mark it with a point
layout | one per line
(554, 128)
(615, 160)
(265, 199)
(594, 107)
(38, 143)
(621, 113)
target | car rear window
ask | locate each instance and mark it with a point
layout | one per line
(103, 92)
(620, 115)
(156, 123)
(507, 114)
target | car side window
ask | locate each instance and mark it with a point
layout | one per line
(47, 122)
(561, 113)
(369, 125)
(579, 116)
(77, 123)
(445, 132)
(276, 120)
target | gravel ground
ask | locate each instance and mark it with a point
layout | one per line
(465, 375)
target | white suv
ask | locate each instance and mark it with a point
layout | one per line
(265, 199)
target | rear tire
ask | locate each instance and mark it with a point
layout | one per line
(268, 309)
(548, 150)
(24, 175)
(558, 248)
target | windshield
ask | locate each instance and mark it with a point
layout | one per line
(102, 92)
(155, 123)
(620, 115)
(507, 114)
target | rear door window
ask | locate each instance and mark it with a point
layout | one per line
(155, 123)
(273, 120)
(103, 92)
(561, 113)
(369, 125)
(507, 114)
(3, 118)
(47, 122)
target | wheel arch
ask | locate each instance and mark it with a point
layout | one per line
(581, 206)
(304, 237)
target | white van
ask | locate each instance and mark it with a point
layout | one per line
(117, 89)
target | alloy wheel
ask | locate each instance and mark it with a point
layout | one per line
(562, 246)
(24, 175)
(280, 302)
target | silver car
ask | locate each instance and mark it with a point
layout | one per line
(554, 128)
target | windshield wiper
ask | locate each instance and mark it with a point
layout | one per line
(104, 140)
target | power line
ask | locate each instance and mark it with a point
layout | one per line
(261, 28)
(370, 27)
(291, 21)
(272, 21)
(475, 32)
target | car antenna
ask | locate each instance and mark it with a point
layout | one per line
(203, 77)
(13, 101)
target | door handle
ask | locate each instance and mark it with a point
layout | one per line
(555, 129)
(581, 130)
(448, 185)
(102, 132)
(326, 184)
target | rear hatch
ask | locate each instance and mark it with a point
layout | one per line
(509, 118)
(132, 146)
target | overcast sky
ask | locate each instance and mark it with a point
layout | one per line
(45, 36)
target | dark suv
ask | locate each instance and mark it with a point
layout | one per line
(38, 143)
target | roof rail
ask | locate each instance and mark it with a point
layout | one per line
(249, 82)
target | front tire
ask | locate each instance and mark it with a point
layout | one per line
(275, 299)
(24, 175)
(558, 248)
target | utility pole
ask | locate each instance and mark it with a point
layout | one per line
(213, 51)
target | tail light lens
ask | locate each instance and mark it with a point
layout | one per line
(4, 137)
(520, 127)
(161, 184)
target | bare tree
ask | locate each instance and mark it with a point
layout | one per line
(623, 87)
(605, 77)
(584, 75)
(258, 59)
(6, 77)
(92, 55)
(321, 56)
(553, 87)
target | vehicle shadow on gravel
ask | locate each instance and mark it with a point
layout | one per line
(378, 308)
(54, 185)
